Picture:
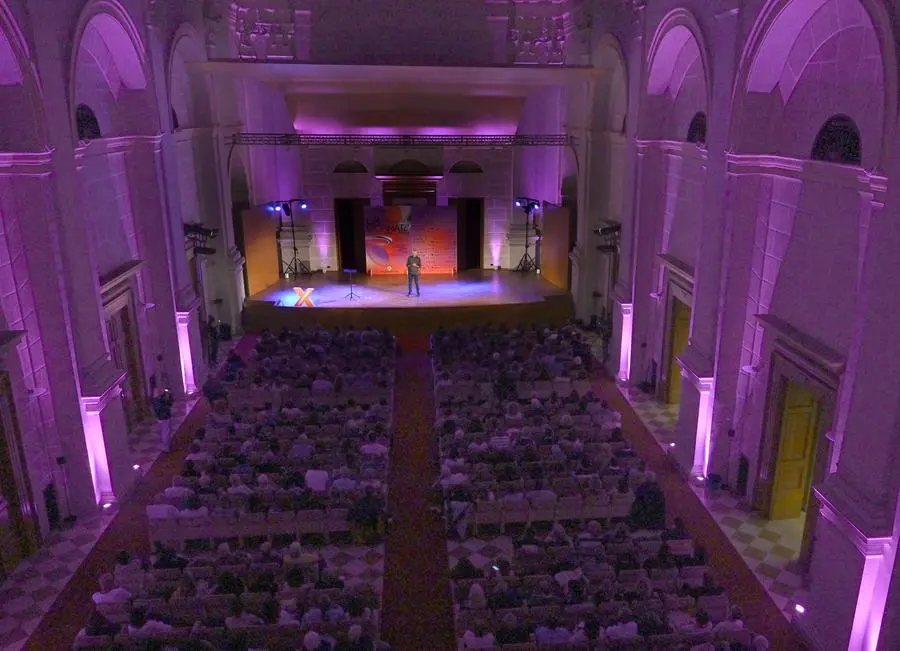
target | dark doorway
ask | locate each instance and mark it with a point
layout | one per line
(469, 232)
(569, 192)
(350, 229)
(237, 220)
(838, 142)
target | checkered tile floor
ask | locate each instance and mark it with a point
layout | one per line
(482, 552)
(29, 592)
(353, 562)
(770, 548)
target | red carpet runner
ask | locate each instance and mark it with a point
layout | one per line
(416, 610)
(760, 612)
(127, 531)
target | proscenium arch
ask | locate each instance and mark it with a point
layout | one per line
(117, 29)
(17, 69)
(769, 31)
(607, 55)
(187, 47)
(675, 31)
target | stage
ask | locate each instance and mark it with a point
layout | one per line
(472, 297)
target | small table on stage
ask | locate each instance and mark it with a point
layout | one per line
(352, 294)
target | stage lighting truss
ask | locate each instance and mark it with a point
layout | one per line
(199, 236)
(409, 141)
(611, 237)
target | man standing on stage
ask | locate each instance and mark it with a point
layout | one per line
(413, 264)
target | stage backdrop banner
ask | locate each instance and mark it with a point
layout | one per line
(392, 232)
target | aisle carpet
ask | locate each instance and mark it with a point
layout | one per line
(742, 586)
(416, 609)
(127, 531)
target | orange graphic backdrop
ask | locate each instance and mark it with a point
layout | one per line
(393, 232)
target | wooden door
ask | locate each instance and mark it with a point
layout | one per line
(680, 333)
(126, 354)
(796, 452)
(18, 528)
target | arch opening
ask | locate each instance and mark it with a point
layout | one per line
(466, 167)
(838, 141)
(410, 167)
(86, 123)
(109, 74)
(350, 167)
(697, 129)
(188, 90)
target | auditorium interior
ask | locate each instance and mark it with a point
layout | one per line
(449, 324)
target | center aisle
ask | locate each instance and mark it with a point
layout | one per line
(416, 608)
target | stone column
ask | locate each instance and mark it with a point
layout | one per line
(853, 557)
(143, 166)
(163, 200)
(700, 359)
(623, 315)
(31, 225)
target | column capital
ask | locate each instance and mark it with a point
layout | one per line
(867, 524)
(100, 382)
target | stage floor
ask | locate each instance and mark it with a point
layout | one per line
(470, 288)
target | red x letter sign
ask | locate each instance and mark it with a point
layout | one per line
(304, 294)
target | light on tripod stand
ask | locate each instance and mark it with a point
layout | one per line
(294, 266)
(286, 209)
(528, 264)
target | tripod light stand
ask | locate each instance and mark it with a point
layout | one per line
(295, 266)
(527, 264)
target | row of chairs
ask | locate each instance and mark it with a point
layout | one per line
(575, 507)
(176, 531)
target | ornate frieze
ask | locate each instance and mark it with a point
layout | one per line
(538, 33)
(264, 31)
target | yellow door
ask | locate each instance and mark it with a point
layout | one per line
(680, 333)
(796, 452)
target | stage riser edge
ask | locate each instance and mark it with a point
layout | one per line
(554, 310)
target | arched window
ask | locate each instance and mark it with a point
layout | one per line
(466, 167)
(410, 167)
(87, 124)
(174, 120)
(350, 167)
(838, 142)
(697, 129)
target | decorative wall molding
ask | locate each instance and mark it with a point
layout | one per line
(122, 144)
(267, 33)
(111, 281)
(681, 269)
(847, 176)
(538, 33)
(39, 163)
(674, 148)
(814, 355)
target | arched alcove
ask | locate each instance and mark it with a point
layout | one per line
(838, 142)
(410, 167)
(466, 167)
(109, 71)
(86, 124)
(350, 167)
(697, 129)
(189, 91)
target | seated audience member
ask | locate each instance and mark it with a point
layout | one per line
(312, 641)
(143, 624)
(109, 593)
(476, 599)
(552, 632)
(178, 490)
(365, 515)
(465, 569)
(510, 632)
(97, 625)
(316, 479)
(624, 627)
(677, 532)
(480, 638)
(701, 624)
(240, 618)
(735, 622)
